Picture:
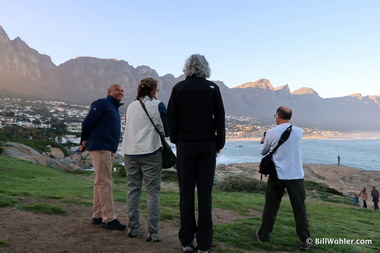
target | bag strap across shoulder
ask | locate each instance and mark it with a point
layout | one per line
(155, 127)
(285, 135)
(143, 106)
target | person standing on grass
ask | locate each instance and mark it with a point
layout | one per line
(143, 157)
(196, 122)
(364, 195)
(288, 163)
(100, 136)
(375, 198)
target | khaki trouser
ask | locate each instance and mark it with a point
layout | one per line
(103, 206)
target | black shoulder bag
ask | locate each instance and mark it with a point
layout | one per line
(168, 157)
(267, 166)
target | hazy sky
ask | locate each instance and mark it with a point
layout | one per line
(332, 46)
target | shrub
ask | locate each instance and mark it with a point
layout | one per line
(239, 183)
(169, 176)
(311, 185)
(120, 170)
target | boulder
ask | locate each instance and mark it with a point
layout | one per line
(56, 153)
(26, 153)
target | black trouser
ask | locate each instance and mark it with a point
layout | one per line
(196, 168)
(297, 195)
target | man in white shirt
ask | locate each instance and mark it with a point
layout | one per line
(288, 163)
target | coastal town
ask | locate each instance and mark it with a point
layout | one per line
(59, 114)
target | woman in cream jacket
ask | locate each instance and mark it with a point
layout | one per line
(141, 148)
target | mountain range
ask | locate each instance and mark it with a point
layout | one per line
(26, 73)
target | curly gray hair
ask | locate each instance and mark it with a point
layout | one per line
(197, 66)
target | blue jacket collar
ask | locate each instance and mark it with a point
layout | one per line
(114, 101)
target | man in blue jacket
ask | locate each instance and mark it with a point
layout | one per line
(100, 136)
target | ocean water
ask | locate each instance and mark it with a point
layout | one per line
(360, 153)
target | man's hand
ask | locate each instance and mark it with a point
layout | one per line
(83, 147)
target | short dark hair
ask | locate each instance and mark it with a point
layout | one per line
(145, 87)
(284, 112)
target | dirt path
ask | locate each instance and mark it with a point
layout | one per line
(30, 232)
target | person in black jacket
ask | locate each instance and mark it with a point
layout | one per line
(100, 136)
(196, 123)
(375, 198)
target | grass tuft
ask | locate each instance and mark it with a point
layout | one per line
(44, 208)
(3, 242)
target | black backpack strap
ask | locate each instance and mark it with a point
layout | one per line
(285, 135)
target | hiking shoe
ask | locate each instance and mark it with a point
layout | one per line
(153, 238)
(203, 251)
(96, 221)
(188, 248)
(115, 224)
(134, 234)
(304, 246)
(259, 238)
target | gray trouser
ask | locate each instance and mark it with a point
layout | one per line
(297, 196)
(147, 169)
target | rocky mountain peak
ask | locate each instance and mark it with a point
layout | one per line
(358, 95)
(3, 36)
(18, 42)
(261, 84)
(283, 87)
(145, 70)
(305, 91)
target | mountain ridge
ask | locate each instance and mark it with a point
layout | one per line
(24, 72)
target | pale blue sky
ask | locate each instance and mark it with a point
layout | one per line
(332, 46)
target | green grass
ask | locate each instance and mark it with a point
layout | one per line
(39, 207)
(37, 188)
(25, 179)
(3, 242)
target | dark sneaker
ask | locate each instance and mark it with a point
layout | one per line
(134, 234)
(304, 246)
(188, 248)
(260, 239)
(115, 224)
(96, 221)
(153, 238)
(203, 251)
